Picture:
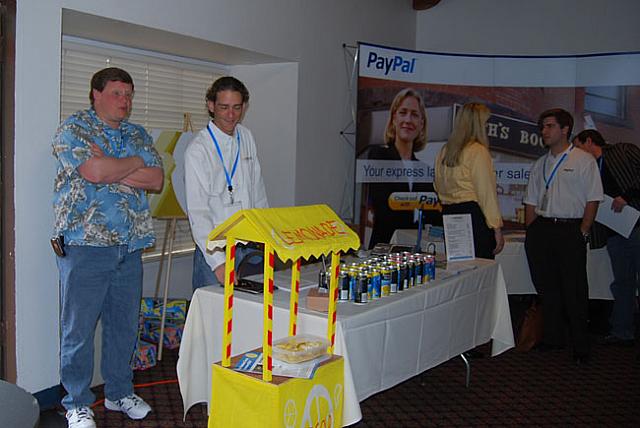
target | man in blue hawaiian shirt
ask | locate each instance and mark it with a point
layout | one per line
(105, 164)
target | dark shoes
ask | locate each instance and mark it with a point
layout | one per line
(611, 339)
(580, 359)
(545, 347)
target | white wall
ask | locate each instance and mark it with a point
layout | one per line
(272, 117)
(36, 118)
(310, 33)
(540, 27)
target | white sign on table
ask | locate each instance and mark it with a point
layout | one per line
(458, 237)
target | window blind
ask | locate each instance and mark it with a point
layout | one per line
(165, 89)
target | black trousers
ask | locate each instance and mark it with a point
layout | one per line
(557, 258)
(484, 239)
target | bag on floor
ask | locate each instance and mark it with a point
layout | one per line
(531, 330)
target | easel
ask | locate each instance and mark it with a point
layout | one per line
(169, 236)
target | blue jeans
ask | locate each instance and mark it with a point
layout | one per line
(625, 262)
(105, 283)
(203, 275)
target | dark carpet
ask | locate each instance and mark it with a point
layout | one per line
(513, 389)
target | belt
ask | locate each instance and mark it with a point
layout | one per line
(560, 220)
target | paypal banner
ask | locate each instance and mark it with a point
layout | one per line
(385, 63)
(406, 65)
(601, 91)
(390, 171)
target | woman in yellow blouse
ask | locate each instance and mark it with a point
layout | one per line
(466, 181)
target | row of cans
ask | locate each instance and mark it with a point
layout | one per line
(379, 277)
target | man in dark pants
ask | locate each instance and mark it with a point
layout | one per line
(619, 166)
(561, 202)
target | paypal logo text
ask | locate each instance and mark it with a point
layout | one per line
(388, 64)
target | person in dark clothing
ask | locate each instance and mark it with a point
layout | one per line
(562, 199)
(619, 166)
(405, 134)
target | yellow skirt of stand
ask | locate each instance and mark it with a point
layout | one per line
(245, 400)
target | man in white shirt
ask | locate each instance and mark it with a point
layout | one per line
(222, 176)
(561, 202)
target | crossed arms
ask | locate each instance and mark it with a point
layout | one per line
(129, 171)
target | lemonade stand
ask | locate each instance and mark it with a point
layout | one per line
(249, 400)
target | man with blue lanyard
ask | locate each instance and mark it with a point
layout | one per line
(102, 223)
(222, 176)
(561, 202)
(619, 166)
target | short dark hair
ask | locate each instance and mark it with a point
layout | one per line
(595, 136)
(106, 75)
(562, 116)
(227, 83)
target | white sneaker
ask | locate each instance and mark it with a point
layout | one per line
(132, 405)
(80, 417)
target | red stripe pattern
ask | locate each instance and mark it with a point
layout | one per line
(297, 291)
(229, 326)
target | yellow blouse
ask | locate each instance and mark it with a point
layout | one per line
(474, 179)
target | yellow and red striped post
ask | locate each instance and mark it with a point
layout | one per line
(267, 319)
(229, 279)
(333, 300)
(293, 299)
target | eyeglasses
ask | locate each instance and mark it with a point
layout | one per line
(127, 94)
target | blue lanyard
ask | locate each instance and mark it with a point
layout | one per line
(235, 163)
(547, 181)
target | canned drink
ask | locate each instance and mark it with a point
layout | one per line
(344, 283)
(402, 276)
(377, 282)
(374, 283)
(426, 276)
(323, 285)
(418, 269)
(362, 286)
(353, 283)
(431, 261)
(410, 273)
(393, 285)
(385, 275)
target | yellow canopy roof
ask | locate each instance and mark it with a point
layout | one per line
(293, 232)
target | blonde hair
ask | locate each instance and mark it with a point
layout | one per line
(390, 131)
(469, 126)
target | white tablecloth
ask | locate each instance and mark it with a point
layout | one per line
(513, 260)
(383, 343)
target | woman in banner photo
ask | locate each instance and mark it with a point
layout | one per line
(466, 180)
(405, 134)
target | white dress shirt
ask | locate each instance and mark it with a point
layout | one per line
(208, 200)
(576, 182)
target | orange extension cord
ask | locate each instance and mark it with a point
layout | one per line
(143, 385)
